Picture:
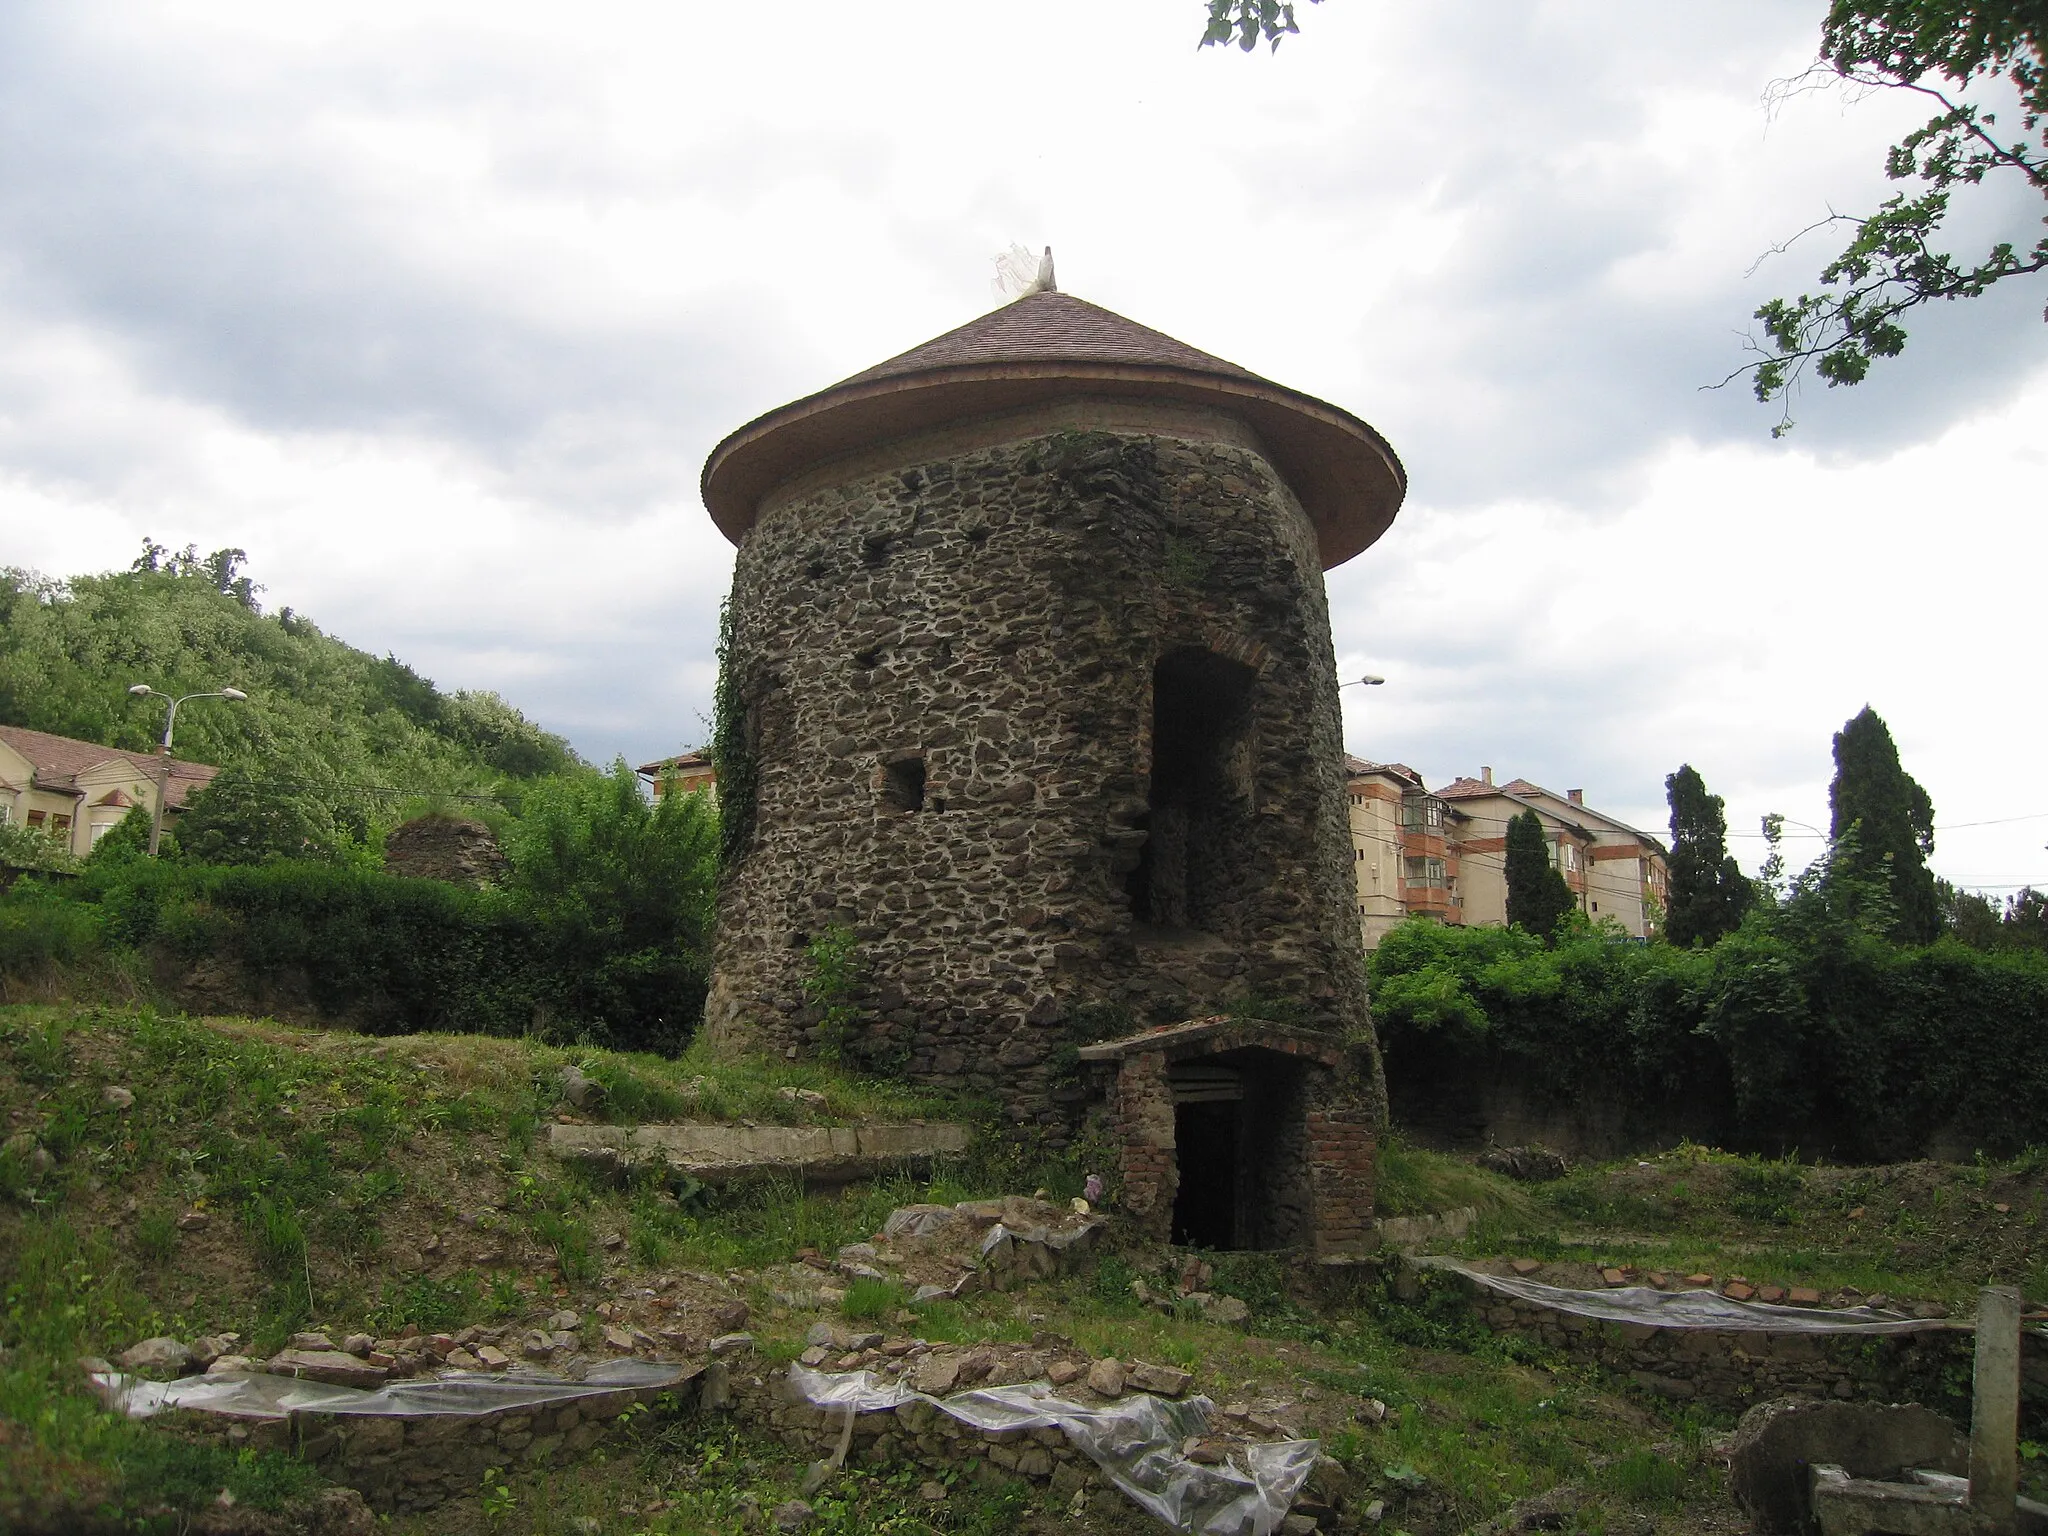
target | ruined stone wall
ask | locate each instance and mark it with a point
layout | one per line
(975, 633)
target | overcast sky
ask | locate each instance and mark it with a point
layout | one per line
(436, 308)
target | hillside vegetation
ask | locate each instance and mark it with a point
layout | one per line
(346, 725)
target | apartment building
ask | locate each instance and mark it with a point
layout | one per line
(1443, 853)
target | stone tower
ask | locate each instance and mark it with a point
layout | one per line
(1031, 653)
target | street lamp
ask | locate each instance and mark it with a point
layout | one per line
(163, 764)
(1367, 681)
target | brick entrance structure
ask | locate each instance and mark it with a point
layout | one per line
(1242, 1134)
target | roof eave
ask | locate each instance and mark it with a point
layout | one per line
(1347, 477)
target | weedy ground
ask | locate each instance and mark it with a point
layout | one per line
(267, 1179)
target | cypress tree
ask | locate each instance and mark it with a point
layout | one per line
(1892, 820)
(1708, 892)
(1538, 896)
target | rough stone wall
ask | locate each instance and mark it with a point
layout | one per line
(451, 848)
(981, 629)
(1736, 1369)
(401, 1464)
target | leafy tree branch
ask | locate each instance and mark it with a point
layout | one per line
(1891, 265)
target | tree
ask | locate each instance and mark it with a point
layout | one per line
(1538, 897)
(1709, 893)
(1881, 830)
(1954, 53)
(624, 893)
(248, 816)
(1246, 21)
(1947, 51)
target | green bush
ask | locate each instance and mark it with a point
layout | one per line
(1803, 1029)
(42, 927)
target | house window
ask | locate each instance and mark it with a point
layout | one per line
(1198, 820)
(1421, 813)
(60, 823)
(1424, 871)
(35, 818)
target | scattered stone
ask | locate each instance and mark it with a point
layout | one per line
(730, 1343)
(974, 1365)
(1530, 1165)
(561, 1321)
(1062, 1372)
(1166, 1380)
(117, 1098)
(1228, 1310)
(809, 1096)
(327, 1365)
(617, 1337)
(462, 1360)
(581, 1092)
(1770, 1293)
(1374, 1410)
(815, 1356)
(936, 1374)
(792, 1516)
(1658, 1279)
(1735, 1290)
(1699, 1280)
(358, 1344)
(612, 1242)
(1106, 1378)
(820, 1333)
(931, 1493)
(493, 1358)
(194, 1221)
(1526, 1266)
(210, 1347)
(732, 1316)
(312, 1341)
(537, 1346)
(1375, 1512)
(1776, 1442)
(864, 1341)
(228, 1365)
(1613, 1277)
(159, 1354)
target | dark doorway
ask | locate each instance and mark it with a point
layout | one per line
(1199, 795)
(1205, 1145)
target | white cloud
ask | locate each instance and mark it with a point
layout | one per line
(436, 307)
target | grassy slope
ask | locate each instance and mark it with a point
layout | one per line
(326, 1161)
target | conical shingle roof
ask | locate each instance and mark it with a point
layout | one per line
(1051, 327)
(1045, 347)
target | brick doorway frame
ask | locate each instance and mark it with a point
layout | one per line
(1333, 1140)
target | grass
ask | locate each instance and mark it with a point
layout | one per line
(327, 1167)
(308, 1168)
(1412, 1181)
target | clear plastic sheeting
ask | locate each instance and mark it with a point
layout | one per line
(460, 1394)
(1693, 1309)
(1135, 1440)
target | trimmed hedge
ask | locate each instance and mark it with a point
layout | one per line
(1787, 1033)
(375, 951)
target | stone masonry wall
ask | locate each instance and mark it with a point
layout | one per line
(1732, 1370)
(981, 629)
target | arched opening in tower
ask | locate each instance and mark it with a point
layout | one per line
(1196, 854)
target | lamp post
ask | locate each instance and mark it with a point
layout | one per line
(163, 761)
